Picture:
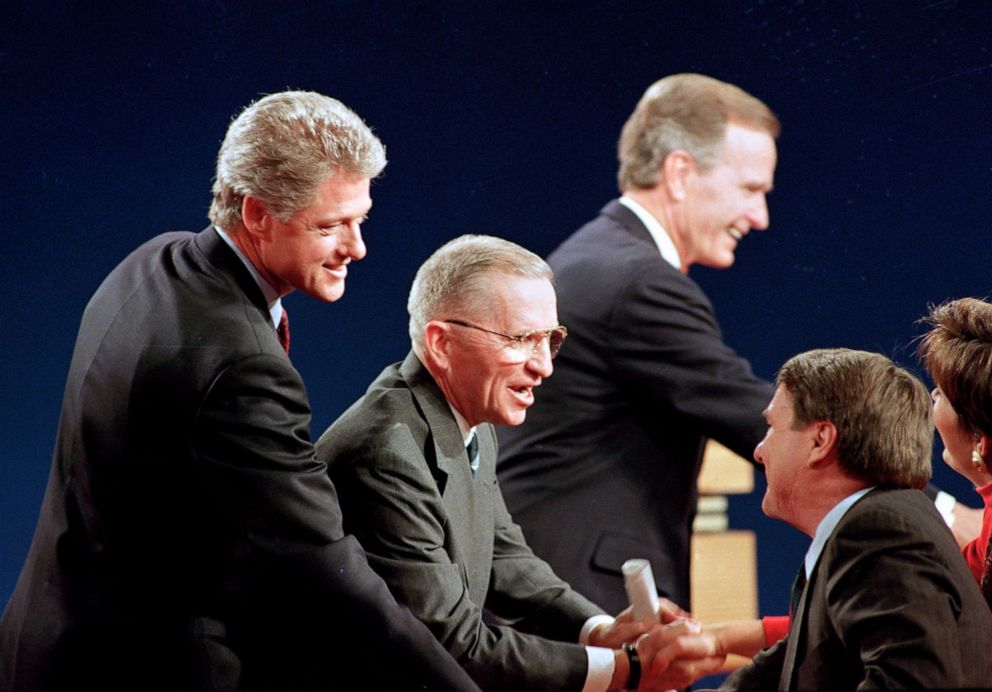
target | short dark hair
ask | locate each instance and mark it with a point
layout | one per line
(881, 412)
(957, 352)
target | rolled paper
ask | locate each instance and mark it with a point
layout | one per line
(638, 580)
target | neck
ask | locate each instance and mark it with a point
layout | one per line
(439, 375)
(828, 493)
(248, 246)
(656, 203)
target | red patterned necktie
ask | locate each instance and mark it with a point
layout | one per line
(282, 331)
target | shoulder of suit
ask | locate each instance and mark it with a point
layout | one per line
(387, 412)
(625, 251)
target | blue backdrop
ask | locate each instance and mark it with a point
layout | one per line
(499, 118)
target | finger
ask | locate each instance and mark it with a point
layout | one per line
(683, 673)
(690, 645)
(669, 611)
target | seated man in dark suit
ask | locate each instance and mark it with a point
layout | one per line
(414, 460)
(188, 539)
(884, 599)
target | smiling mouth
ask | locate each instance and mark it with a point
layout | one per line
(735, 233)
(525, 393)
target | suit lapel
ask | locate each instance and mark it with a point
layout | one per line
(223, 258)
(449, 447)
(797, 635)
(467, 504)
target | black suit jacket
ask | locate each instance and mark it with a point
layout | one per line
(890, 605)
(444, 541)
(188, 538)
(604, 468)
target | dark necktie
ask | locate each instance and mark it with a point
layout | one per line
(797, 591)
(282, 331)
(473, 454)
(987, 575)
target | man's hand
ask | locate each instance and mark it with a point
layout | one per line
(625, 629)
(676, 655)
(967, 524)
(669, 611)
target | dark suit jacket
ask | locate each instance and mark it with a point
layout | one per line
(188, 539)
(891, 604)
(444, 542)
(604, 468)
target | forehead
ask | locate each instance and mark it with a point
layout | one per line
(780, 409)
(340, 195)
(522, 302)
(748, 155)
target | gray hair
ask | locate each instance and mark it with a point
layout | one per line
(881, 412)
(282, 147)
(688, 112)
(453, 282)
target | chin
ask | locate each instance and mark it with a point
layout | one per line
(722, 262)
(328, 295)
(515, 418)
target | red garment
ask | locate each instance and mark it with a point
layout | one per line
(776, 627)
(974, 552)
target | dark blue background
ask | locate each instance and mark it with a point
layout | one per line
(499, 118)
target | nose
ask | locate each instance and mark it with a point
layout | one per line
(757, 214)
(933, 395)
(540, 359)
(354, 246)
(759, 454)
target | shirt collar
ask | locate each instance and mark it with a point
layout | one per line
(658, 233)
(827, 525)
(272, 298)
(467, 432)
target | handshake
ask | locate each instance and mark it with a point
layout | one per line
(657, 645)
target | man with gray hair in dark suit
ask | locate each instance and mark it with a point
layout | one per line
(188, 539)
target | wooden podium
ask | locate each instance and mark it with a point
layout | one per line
(724, 568)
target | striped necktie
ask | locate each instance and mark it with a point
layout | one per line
(473, 454)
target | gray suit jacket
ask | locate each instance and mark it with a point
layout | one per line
(444, 542)
(890, 605)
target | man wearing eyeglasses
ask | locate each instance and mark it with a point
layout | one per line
(414, 464)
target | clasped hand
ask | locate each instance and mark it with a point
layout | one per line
(674, 652)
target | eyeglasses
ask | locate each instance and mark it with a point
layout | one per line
(529, 343)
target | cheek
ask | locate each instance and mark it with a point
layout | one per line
(948, 426)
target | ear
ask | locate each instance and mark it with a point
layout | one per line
(255, 216)
(675, 171)
(824, 441)
(984, 446)
(437, 343)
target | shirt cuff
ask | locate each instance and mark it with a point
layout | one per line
(600, 669)
(945, 505)
(601, 619)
